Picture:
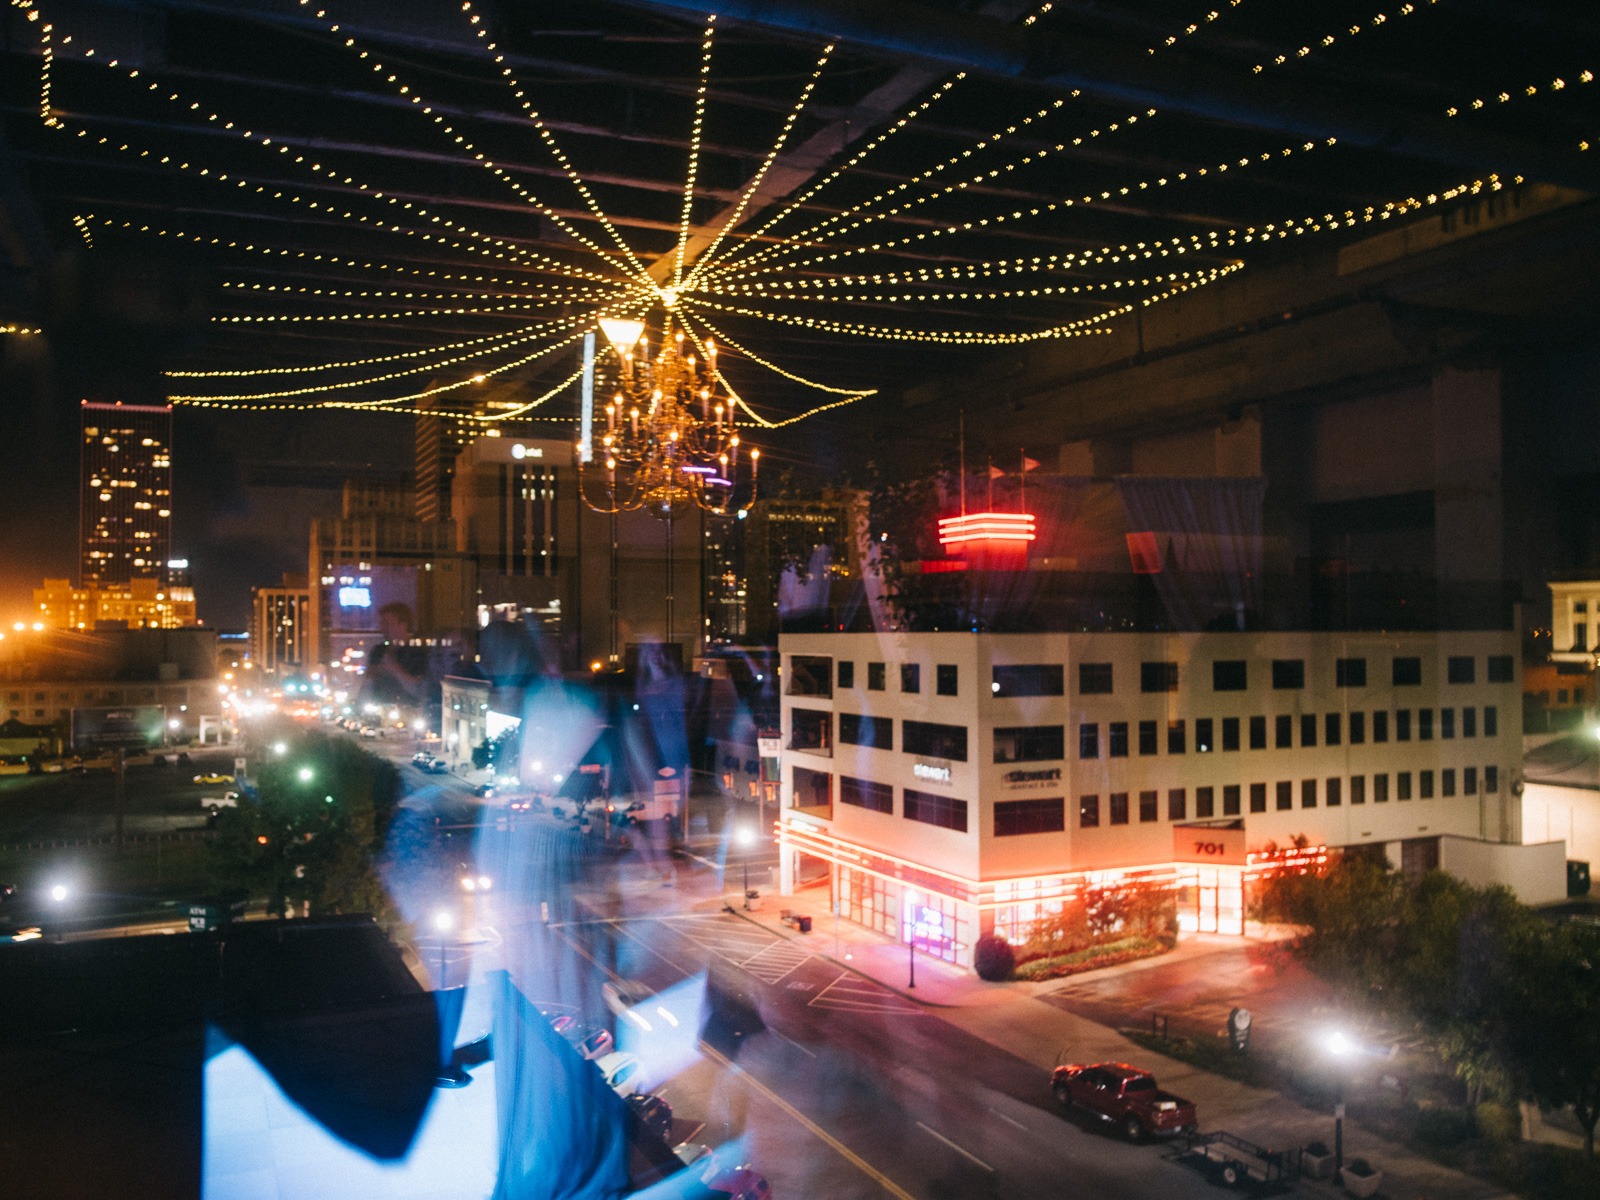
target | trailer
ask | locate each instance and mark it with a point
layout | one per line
(1236, 1162)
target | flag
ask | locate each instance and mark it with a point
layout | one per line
(996, 473)
(1029, 464)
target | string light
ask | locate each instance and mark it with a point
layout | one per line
(1555, 85)
(1373, 22)
(694, 152)
(952, 338)
(355, 362)
(20, 330)
(855, 393)
(1191, 29)
(740, 400)
(766, 164)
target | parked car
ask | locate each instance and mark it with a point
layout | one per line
(227, 800)
(213, 777)
(654, 1113)
(621, 1072)
(715, 1175)
(435, 765)
(485, 791)
(421, 758)
(1126, 1096)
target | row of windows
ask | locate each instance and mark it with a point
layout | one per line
(1332, 790)
(1335, 727)
(927, 807)
(809, 675)
(811, 729)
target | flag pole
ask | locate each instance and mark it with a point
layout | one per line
(963, 426)
(991, 483)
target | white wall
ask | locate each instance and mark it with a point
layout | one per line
(1537, 873)
(1550, 812)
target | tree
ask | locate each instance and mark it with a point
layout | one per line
(1553, 1029)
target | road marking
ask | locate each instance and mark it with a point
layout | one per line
(856, 998)
(1008, 1120)
(861, 1164)
(791, 1041)
(800, 986)
(956, 1148)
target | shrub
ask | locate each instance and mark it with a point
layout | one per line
(1497, 1123)
(1318, 1150)
(1360, 1166)
(993, 959)
(1444, 1126)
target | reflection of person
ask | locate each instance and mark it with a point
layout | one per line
(397, 672)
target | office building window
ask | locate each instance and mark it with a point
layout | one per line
(1205, 802)
(1308, 729)
(1088, 813)
(1283, 732)
(1491, 721)
(1447, 782)
(1088, 740)
(810, 729)
(1177, 804)
(1425, 785)
(1037, 679)
(1358, 789)
(876, 677)
(810, 675)
(1230, 675)
(1258, 733)
(1203, 743)
(1230, 800)
(1258, 797)
(1380, 789)
(1469, 781)
(1501, 669)
(1407, 672)
(1580, 636)
(856, 729)
(933, 809)
(911, 677)
(864, 793)
(1015, 817)
(847, 674)
(1094, 679)
(1148, 810)
(1177, 737)
(1288, 674)
(944, 679)
(1158, 677)
(932, 740)
(1402, 725)
(1491, 779)
(1331, 728)
(1117, 813)
(1358, 728)
(1308, 793)
(1461, 669)
(1029, 743)
(1147, 737)
(1447, 722)
(1380, 727)
(1230, 733)
(1117, 739)
(1424, 724)
(1402, 785)
(1350, 672)
(1285, 794)
(1333, 792)
(1469, 722)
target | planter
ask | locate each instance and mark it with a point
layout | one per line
(1361, 1185)
(1316, 1166)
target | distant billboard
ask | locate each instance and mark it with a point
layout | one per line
(131, 726)
(359, 594)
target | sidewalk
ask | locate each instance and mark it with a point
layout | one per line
(1009, 1017)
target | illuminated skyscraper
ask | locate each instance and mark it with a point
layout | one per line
(125, 505)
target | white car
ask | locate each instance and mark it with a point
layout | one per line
(626, 994)
(231, 800)
(621, 1072)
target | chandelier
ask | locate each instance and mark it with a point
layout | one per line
(670, 441)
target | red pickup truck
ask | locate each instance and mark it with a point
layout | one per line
(1126, 1096)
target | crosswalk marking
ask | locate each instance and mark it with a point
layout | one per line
(768, 958)
(850, 993)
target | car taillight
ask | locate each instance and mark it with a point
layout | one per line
(1166, 1106)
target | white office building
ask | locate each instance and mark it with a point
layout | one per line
(981, 778)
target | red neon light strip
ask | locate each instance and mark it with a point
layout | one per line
(1000, 527)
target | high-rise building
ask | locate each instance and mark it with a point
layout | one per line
(137, 604)
(785, 535)
(438, 443)
(125, 492)
(281, 634)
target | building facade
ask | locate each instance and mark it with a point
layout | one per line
(125, 492)
(141, 603)
(282, 635)
(987, 777)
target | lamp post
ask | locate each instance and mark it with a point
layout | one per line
(1340, 1047)
(747, 838)
(443, 922)
(911, 937)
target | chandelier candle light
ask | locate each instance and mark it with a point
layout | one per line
(670, 440)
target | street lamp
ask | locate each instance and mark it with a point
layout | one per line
(911, 936)
(60, 892)
(305, 774)
(1339, 1046)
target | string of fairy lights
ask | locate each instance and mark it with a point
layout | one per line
(758, 275)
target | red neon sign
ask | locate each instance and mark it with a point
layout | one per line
(986, 527)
